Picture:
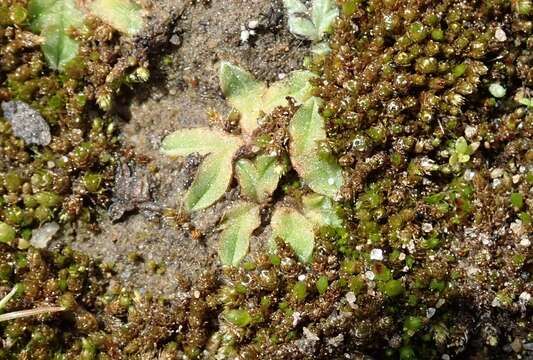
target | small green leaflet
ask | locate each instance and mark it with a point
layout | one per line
(259, 179)
(239, 223)
(320, 210)
(211, 182)
(243, 93)
(293, 228)
(319, 170)
(203, 141)
(123, 15)
(296, 85)
(294, 6)
(216, 171)
(323, 14)
(251, 97)
(52, 19)
(303, 27)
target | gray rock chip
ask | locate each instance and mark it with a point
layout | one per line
(27, 123)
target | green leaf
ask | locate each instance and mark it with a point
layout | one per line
(251, 97)
(243, 92)
(320, 210)
(293, 228)
(303, 27)
(123, 15)
(52, 19)
(294, 6)
(323, 15)
(318, 169)
(259, 179)
(211, 182)
(199, 140)
(297, 85)
(215, 173)
(240, 221)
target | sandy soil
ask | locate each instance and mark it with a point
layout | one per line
(179, 94)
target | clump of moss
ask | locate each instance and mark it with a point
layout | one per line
(70, 177)
(437, 165)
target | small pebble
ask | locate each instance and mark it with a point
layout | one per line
(41, 237)
(370, 275)
(430, 312)
(27, 123)
(497, 90)
(245, 36)
(427, 227)
(376, 254)
(500, 35)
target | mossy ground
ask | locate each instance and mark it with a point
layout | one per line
(433, 261)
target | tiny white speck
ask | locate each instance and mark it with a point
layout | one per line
(524, 297)
(196, 294)
(245, 35)
(427, 227)
(331, 181)
(497, 90)
(376, 254)
(295, 318)
(350, 297)
(470, 131)
(402, 256)
(500, 35)
(525, 242)
(430, 312)
(301, 277)
(370, 275)
(252, 24)
(469, 174)
(439, 303)
(496, 173)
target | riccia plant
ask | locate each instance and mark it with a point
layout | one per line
(312, 23)
(259, 173)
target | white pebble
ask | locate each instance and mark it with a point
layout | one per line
(245, 35)
(496, 173)
(427, 227)
(500, 35)
(525, 242)
(301, 277)
(41, 237)
(524, 297)
(350, 297)
(370, 275)
(430, 312)
(296, 316)
(470, 131)
(376, 254)
(497, 90)
(469, 174)
(252, 24)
